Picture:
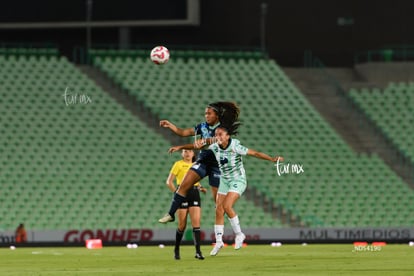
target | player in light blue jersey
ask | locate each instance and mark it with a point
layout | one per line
(233, 183)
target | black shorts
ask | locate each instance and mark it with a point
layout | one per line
(192, 199)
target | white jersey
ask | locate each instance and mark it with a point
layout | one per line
(230, 159)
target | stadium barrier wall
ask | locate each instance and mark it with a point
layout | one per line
(144, 236)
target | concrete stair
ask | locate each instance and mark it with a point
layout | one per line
(326, 90)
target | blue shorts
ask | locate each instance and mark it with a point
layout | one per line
(203, 170)
(206, 165)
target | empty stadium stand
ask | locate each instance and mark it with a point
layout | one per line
(72, 157)
(338, 187)
(391, 109)
(72, 163)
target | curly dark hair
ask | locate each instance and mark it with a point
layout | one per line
(228, 113)
(230, 129)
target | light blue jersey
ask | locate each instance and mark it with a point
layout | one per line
(230, 159)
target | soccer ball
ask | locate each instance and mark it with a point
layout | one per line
(160, 55)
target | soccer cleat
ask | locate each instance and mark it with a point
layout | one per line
(166, 218)
(239, 241)
(216, 248)
(199, 256)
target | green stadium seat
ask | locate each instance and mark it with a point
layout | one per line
(331, 192)
(60, 153)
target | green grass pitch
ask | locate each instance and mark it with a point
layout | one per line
(313, 259)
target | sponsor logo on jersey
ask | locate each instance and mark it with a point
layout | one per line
(224, 161)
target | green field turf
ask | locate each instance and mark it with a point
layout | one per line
(251, 260)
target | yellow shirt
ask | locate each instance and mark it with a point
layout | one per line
(179, 169)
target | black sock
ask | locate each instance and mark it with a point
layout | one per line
(197, 238)
(178, 237)
(176, 203)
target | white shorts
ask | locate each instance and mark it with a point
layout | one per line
(234, 185)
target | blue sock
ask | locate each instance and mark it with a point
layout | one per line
(176, 203)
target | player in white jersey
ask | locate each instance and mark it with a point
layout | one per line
(206, 163)
(233, 183)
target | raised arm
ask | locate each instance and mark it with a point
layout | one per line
(181, 147)
(183, 132)
(263, 156)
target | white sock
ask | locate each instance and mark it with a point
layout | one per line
(235, 224)
(219, 231)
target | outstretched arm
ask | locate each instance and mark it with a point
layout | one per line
(198, 144)
(263, 156)
(181, 147)
(184, 132)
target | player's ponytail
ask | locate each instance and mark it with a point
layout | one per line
(231, 129)
(228, 113)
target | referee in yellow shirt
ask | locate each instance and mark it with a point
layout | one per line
(192, 204)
